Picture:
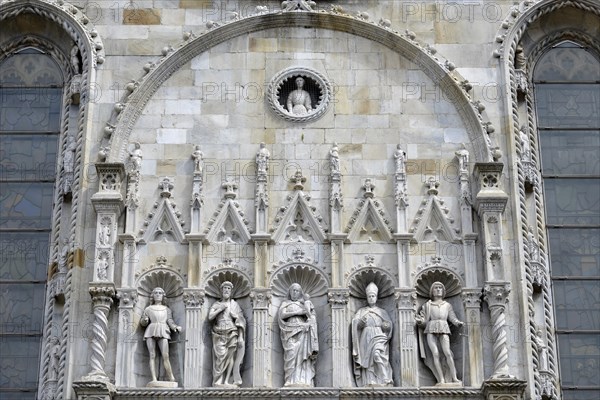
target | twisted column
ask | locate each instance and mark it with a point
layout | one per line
(496, 296)
(102, 300)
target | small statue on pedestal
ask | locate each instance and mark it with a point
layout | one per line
(158, 320)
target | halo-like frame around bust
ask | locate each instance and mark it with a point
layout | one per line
(283, 76)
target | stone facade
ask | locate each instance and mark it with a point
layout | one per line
(187, 170)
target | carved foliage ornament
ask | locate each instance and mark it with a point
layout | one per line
(299, 94)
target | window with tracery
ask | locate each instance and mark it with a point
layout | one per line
(567, 96)
(31, 90)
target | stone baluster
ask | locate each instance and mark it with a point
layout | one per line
(127, 342)
(262, 373)
(342, 373)
(406, 303)
(193, 299)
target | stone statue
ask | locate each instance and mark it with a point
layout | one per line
(158, 320)
(262, 159)
(371, 334)
(434, 315)
(228, 334)
(298, 101)
(197, 155)
(75, 63)
(63, 258)
(525, 146)
(298, 329)
(334, 158)
(136, 156)
(400, 157)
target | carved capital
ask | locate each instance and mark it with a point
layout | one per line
(261, 298)
(338, 298)
(193, 298)
(102, 294)
(472, 297)
(127, 297)
(496, 293)
(406, 299)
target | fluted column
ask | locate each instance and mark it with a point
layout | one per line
(472, 302)
(342, 373)
(496, 296)
(102, 300)
(193, 299)
(406, 303)
(262, 373)
(126, 341)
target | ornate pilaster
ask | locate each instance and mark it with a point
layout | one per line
(336, 201)
(102, 300)
(108, 203)
(193, 299)
(406, 304)
(490, 203)
(496, 296)
(472, 302)
(262, 373)
(400, 190)
(261, 201)
(130, 259)
(338, 299)
(126, 341)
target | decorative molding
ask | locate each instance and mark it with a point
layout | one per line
(433, 221)
(284, 79)
(369, 222)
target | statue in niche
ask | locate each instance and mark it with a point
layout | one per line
(371, 334)
(298, 329)
(434, 316)
(158, 320)
(228, 334)
(262, 159)
(298, 101)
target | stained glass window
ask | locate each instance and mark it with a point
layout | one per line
(567, 98)
(30, 106)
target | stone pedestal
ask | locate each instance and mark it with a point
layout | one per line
(504, 389)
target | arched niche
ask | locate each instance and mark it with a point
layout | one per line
(358, 281)
(241, 283)
(174, 59)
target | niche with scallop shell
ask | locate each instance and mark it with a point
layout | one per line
(313, 281)
(239, 280)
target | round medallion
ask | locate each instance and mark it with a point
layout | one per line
(299, 94)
